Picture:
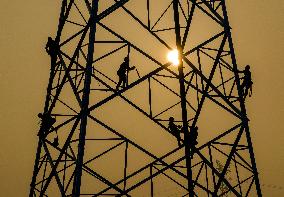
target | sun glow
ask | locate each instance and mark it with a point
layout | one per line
(173, 57)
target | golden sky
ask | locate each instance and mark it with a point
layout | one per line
(258, 34)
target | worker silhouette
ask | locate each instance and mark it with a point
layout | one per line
(52, 49)
(47, 123)
(193, 134)
(175, 130)
(122, 73)
(247, 83)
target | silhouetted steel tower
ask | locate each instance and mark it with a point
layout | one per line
(110, 128)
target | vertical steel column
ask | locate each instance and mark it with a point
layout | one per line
(47, 99)
(243, 108)
(85, 101)
(183, 100)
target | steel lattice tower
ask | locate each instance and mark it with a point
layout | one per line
(116, 142)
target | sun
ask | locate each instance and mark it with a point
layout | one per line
(173, 57)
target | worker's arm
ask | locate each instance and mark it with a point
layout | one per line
(240, 71)
(236, 70)
(131, 68)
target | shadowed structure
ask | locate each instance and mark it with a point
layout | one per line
(111, 141)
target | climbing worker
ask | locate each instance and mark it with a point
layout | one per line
(46, 124)
(246, 85)
(52, 49)
(193, 136)
(175, 130)
(46, 121)
(122, 73)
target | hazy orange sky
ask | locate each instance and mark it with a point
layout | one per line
(258, 34)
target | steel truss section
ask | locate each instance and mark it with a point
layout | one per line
(116, 141)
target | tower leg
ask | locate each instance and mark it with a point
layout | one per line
(183, 100)
(85, 102)
(245, 122)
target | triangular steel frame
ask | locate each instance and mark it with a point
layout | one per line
(77, 70)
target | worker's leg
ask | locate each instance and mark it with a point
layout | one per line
(179, 143)
(53, 57)
(246, 89)
(119, 83)
(250, 91)
(178, 139)
(124, 81)
(243, 85)
(250, 88)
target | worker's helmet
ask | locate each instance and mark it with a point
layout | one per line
(171, 119)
